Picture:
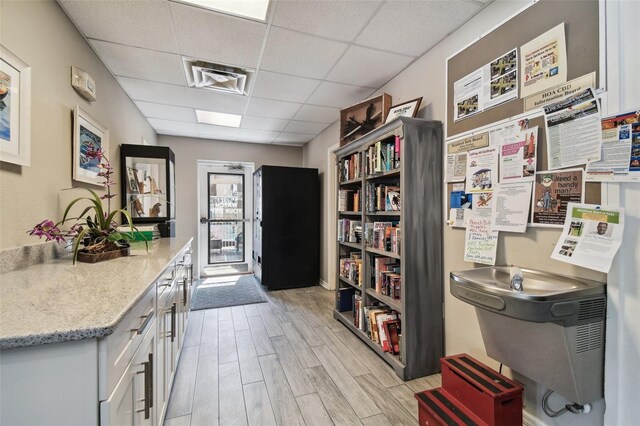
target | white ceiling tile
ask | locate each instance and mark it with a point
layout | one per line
(262, 123)
(166, 112)
(294, 53)
(336, 19)
(216, 37)
(339, 95)
(210, 100)
(412, 27)
(317, 114)
(141, 90)
(139, 23)
(182, 133)
(271, 85)
(256, 136)
(259, 107)
(367, 67)
(293, 138)
(296, 144)
(305, 127)
(140, 63)
(217, 132)
(175, 126)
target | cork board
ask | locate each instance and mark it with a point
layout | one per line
(581, 20)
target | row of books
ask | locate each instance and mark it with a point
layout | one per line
(385, 276)
(351, 267)
(349, 231)
(383, 156)
(141, 232)
(349, 200)
(383, 326)
(383, 236)
(349, 167)
(383, 197)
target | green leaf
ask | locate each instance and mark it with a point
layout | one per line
(76, 244)
(71, 204)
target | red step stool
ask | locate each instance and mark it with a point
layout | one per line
(470, 385)
(438, 407)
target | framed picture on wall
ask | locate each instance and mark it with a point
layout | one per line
(407, 109)
(15, 109)
(88, 135)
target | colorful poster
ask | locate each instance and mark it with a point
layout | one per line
(518, 156)
(591, 236)
(620, 159)
(480, 242)
(510, 212)
(574, 135)
(552, 191)
(482, 170)
(543, 62)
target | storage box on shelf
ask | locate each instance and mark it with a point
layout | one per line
(389, 290)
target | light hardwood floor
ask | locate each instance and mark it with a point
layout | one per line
(285, 362)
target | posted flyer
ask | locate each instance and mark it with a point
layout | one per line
(620, 159)
(518, 156)
(510, 212)
(482, 170)
(552, 192)
(574, 135)
(544, 62)
(456, 159)
(480, 242)
(591, 236)
(486, 87)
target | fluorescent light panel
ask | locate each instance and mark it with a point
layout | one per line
(218, 118)
(254, 9)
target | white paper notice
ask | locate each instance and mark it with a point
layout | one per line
(458, 217)
(482, 169)
(518, 156)
(543, 62)
(456, 167)
(480, 243)
(510, 211)
(467, 95)
(574, 134)
(591, 236)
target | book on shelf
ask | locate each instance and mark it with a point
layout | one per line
(383, 327)
(351, 267)
(349, 231)
(383, 236)
(349, 200)
(141, 232)
(383, 338)
(382, 197)
(357, 310)
(392, 331)
(383, 156)
(349, 168)
(383, 267)
(344, 302)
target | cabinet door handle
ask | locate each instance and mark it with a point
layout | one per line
(151, 379)
(145, 323)
(173, 321)
(148, 382)
(184, 292)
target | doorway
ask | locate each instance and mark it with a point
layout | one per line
(224, 206)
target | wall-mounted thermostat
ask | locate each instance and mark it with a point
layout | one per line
(83, 83)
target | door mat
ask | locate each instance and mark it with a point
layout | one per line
(241, 290)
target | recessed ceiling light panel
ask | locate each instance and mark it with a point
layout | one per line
(253, 9)
(218, 118)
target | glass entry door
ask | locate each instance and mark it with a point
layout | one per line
(226, 219)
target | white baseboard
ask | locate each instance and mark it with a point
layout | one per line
(323, 283)
(529, 419)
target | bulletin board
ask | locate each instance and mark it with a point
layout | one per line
(581, 19)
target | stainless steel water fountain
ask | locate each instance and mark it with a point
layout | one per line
(550, 330)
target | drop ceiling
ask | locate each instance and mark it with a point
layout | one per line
(310, 58)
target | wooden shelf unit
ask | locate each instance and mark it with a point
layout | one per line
(421, 220)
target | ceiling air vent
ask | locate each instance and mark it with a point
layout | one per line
(222, 78)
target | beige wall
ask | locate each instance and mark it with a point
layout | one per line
(427, 78)
(189, 150)
(40, 34)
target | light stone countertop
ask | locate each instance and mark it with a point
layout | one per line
(58, 301)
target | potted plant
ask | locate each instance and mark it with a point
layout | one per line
(95, 232)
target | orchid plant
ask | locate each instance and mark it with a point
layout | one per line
(95, 228)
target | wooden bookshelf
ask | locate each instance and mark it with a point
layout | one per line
(419, 177)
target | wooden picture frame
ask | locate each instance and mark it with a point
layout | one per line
(88, 134)
(15, 109)
(406, 109)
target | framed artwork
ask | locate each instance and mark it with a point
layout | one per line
(407, 109)
(88, 135)
(15, 109)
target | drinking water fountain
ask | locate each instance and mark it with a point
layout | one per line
(547, 327)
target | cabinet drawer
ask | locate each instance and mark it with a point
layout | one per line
(166, 280)
(118, 348)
